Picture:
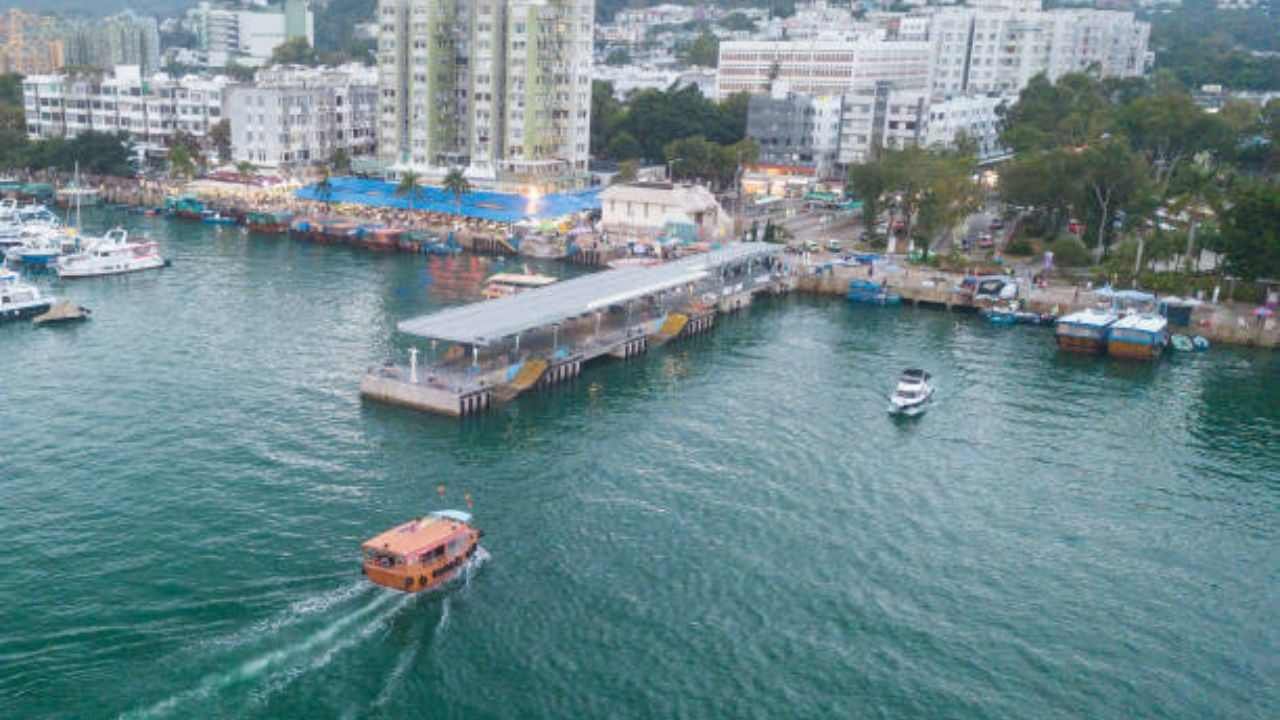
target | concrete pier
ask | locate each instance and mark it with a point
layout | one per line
(490, 352)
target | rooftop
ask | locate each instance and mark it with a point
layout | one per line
(414, 536)
(483, 323)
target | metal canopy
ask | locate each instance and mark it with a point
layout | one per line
(484, 323)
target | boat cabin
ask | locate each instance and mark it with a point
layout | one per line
(421, 554)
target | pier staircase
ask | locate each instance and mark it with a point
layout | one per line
(671, 329)
(530, 373)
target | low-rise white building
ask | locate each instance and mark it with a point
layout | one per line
(150, 109)
(641, 211)
(295, 116)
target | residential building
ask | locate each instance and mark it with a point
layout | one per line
(295, 116)
(248, 34)
(499, 88)
(30, 44)
(150, 109)
(822, 67)
(828, 133)
(124, 39)
(643, 210)
(999, 50)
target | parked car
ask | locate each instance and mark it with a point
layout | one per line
(985, 241)
(833, 245)
(812, 246)
(997, 224)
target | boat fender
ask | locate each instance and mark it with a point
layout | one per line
(408, 583)
(363, 571)
(422, 580)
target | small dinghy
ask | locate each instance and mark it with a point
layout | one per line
(64, 311)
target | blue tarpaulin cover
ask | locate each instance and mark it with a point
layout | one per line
(491, 206)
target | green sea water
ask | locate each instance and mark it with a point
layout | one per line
(728, 527)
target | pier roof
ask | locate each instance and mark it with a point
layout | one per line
(483, 323)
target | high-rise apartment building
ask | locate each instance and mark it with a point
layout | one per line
(500, 88)
(30, 44)
(986, 49)
(124, 39)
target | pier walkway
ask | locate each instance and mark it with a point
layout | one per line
(489, 352)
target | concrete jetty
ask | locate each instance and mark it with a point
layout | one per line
(1221, 323)
(487, 353)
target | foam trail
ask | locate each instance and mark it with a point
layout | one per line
(255, 667)
(296, 612)
(283, 679)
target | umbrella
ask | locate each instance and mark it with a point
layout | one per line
(1263, 312)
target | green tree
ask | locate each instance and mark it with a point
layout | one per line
(1111, 177)
(628, 171)
(624, 146)
(181, 164)
(245, 168)
(457, 185)
(703, 51)
(618, 56)
(738, 22)
(220, 137)
(606, 114)
(1251, 232)
(1070, 113)
(324, 190)
(949, 195)
(341, 161)
(409, 187)
(295, 51)
(869, 182)
(1042, 179)
(1168, 128)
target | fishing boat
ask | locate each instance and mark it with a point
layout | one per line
(868, 292)
(20, 300)
(912, 394)
(507, 284)
(1085, 331)
(213, 217)
(422, 554)
(276, 223)
(1142, 336)
(186, 206)
(111, 254)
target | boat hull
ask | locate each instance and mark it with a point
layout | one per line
(1082, 345)
(420, 579)
(1135, 350)
(121, 268)
(25, 311)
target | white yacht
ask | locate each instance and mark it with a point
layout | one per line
(20, 300)
(39, 246)
(111, 254)
(912, 393)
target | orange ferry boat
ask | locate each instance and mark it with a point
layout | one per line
(422, 554)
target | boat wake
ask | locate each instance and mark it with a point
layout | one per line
(271, 671)
(277, 668)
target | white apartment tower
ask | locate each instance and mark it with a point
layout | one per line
(500, 88)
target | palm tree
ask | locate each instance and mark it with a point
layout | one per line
(456, 184)
(324, 190)
(408, 186)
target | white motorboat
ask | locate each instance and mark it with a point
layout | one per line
(20, 300)
(913, 393)
(111, 254)
(40, 246)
